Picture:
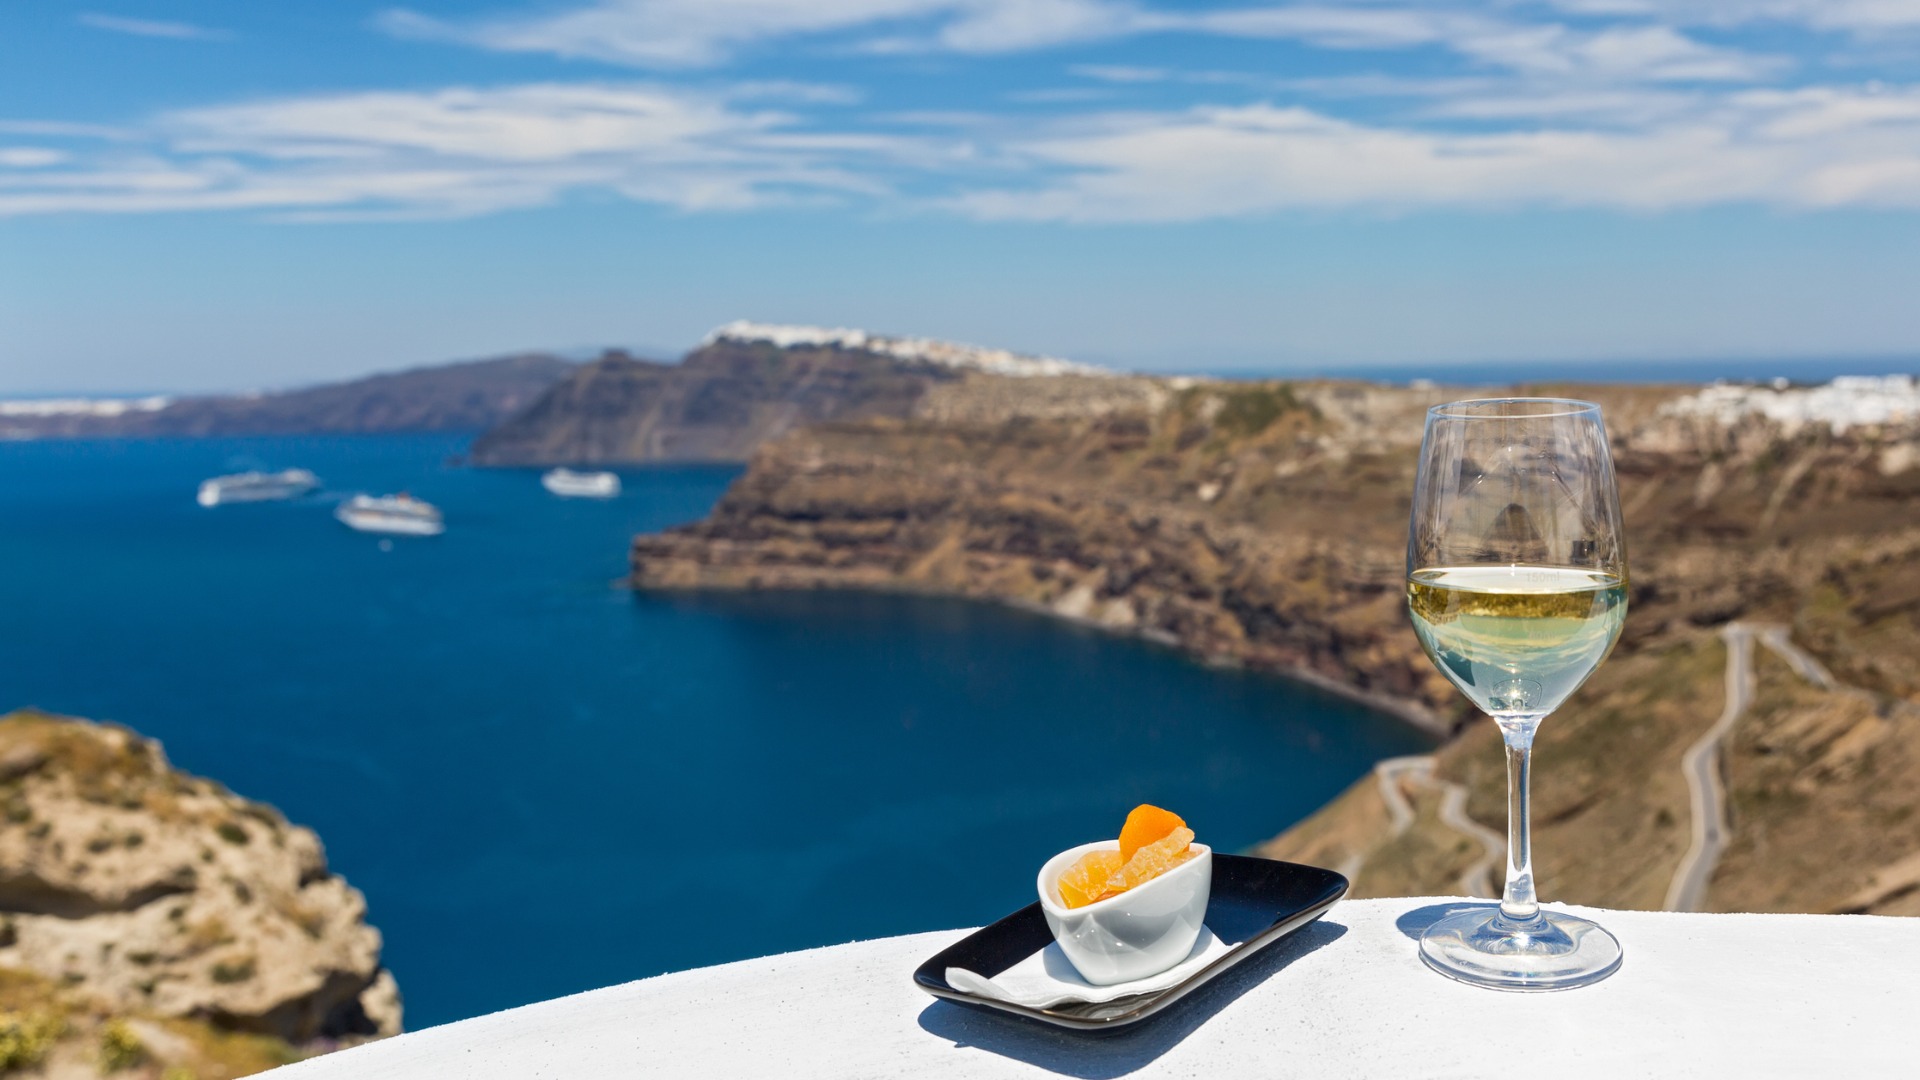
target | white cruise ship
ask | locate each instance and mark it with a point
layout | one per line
(399, 515)
(581, 485)
(256, 487)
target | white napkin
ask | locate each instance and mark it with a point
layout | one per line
(1048, 978)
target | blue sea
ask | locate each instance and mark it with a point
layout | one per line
(546, 783)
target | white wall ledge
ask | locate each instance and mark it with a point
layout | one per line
(1699, 995)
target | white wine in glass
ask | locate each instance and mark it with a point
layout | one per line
(1517, 585)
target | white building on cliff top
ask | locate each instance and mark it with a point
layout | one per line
(920, 350)
(1847, 402)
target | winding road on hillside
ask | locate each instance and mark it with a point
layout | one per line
(1776, 639)
(1703, 762)
(1477, 880)
(1701, 766)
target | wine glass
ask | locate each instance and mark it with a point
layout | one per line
(1517, 584)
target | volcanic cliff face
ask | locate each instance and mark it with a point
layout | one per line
(1787, 550)
(716, 405)
(1149, 508)
(157, 911)
(1265, 524)
(746, 384)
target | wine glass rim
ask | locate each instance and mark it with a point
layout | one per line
(1484, 408)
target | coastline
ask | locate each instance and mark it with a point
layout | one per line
(527, 715)
(1411, 712)
(1407, 711)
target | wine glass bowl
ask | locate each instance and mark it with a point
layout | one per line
(1517, 588)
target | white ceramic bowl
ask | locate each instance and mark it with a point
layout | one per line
(1142, 932)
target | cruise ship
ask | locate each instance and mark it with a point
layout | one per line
(581, 485)
(256, 487)
(398, 515)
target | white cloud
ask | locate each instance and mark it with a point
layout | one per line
(1612, 105)
(795, 93)
(153, 28)
(1058, 95)
(465, 151)
(693, 33)
(1859, 16)
(1611, 108)
(469, 151)
(993, 26)
(66, 130)
(1817, 149)
(1821, 112)
(938, 118)
(1622, 52)
(1374, 85)
(1120, 73)
(543, 122)
(29, 157)
(1660, 53)
(651, 33)
(1339, 26)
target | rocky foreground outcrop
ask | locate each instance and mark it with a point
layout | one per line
(1264, 524)
(151, 917)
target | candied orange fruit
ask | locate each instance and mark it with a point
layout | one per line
(1153, 860)
(1146, 825)
(1153, 842)
(1086, 880)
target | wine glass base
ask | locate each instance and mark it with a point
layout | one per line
(1554, 951)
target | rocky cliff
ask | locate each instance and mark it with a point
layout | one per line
(1264, 523)
(468, 396)
(1162, 511)
(746, 384)
(152, 918)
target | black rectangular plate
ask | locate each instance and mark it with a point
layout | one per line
(1253, 903)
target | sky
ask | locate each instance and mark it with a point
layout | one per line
(228, 194)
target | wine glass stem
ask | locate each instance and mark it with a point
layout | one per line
(1517, 902)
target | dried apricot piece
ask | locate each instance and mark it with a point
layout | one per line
(1086, 880)
(1153, 860)
(1145, 825)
